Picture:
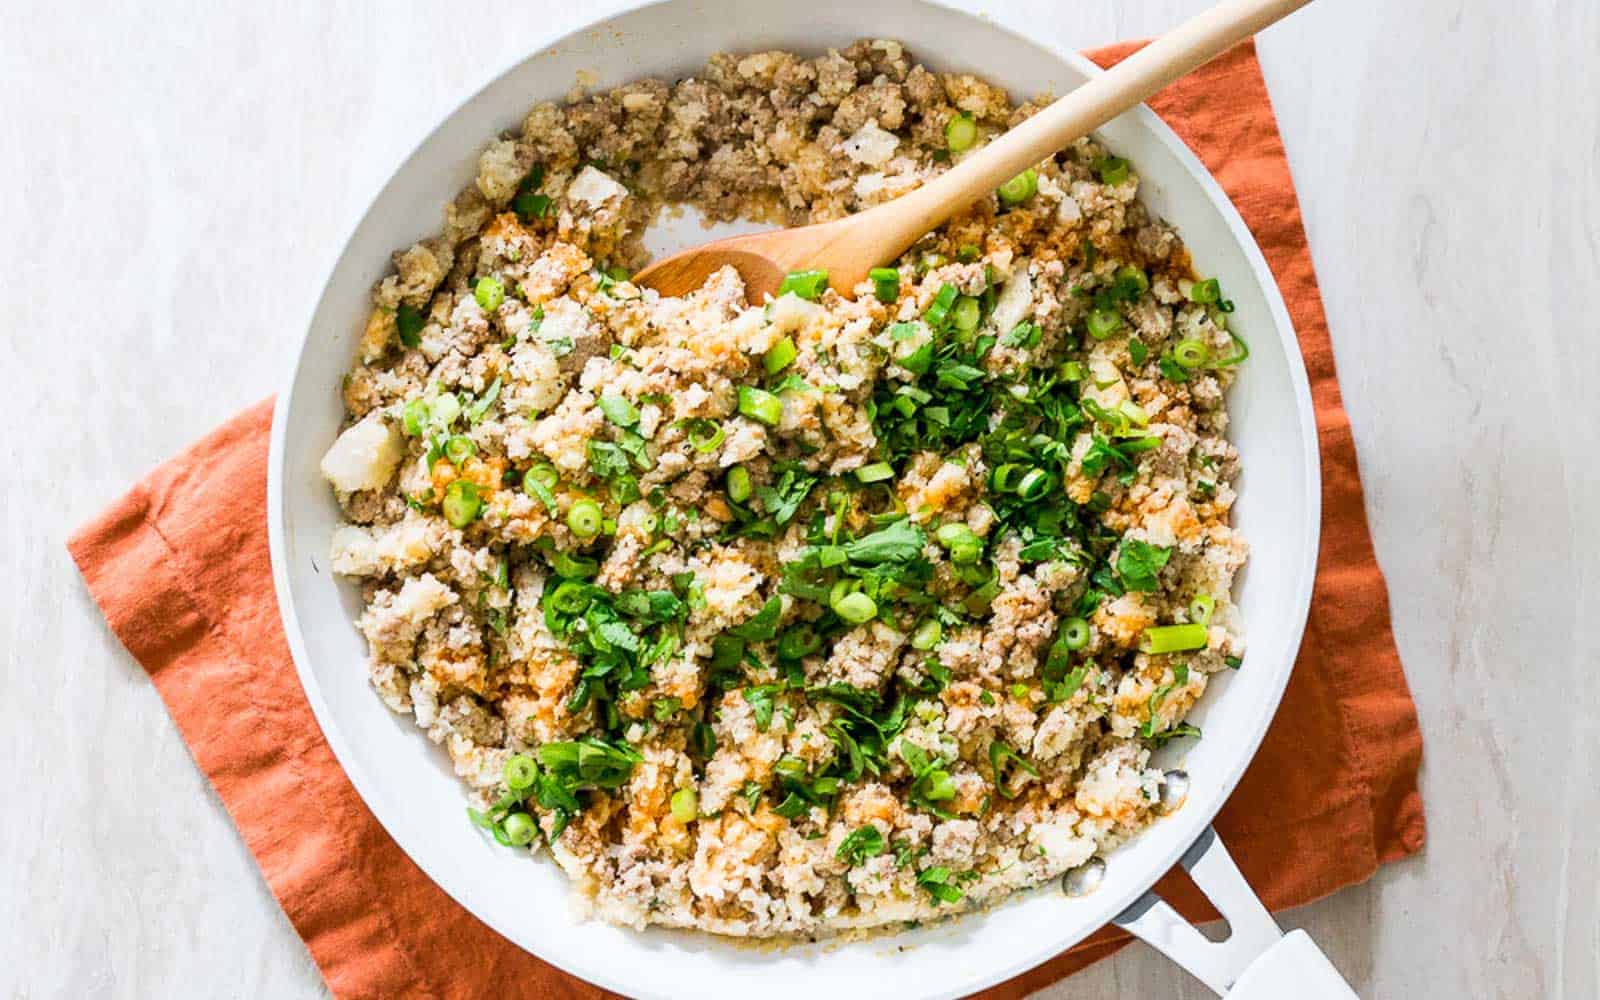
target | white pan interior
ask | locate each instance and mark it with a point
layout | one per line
(408, 783)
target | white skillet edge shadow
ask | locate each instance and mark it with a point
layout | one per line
(952, 958)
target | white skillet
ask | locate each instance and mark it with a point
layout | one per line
(407, 782)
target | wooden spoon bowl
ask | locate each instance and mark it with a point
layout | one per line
(847, 249)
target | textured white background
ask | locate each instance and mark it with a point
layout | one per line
(173, 184)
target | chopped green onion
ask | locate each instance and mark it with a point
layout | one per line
(619, 410)
(960, 132)
(875, 473)
(705, 435)
(854, 608)
(955, 533)
(1133, 412)
(520, 772)
(489, 293)
(520, 828)
(1190, 353)
(1137, 352)
(939, 309)
(544, 474)
(885, 284)
(458, 448)
(1201, 608)
(1206, 292)
(1071, 371)
(1236, 359)
(409, 322)
(570, 598)
(1035, 484)
(798, 643)
(1020, 188)
(1113, 170)
(1075, 633)
(685, 805)
(779, 356)
(806, 284)
(739, 484)
(966, 314)
(414, 417)
(585, 519)
(1131, 281)
(462, 503)
(1173, 638)
(966, 253)
(1005, 476)
(927, 635)
(445, 409)
(760, 405)
(1102, 323)
(569, 568)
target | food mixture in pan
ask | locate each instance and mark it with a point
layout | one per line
(788, 617)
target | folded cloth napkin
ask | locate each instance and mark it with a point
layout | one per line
(180, 568)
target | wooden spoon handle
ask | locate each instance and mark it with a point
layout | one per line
(902, 222)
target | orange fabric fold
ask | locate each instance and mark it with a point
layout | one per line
(180, 568)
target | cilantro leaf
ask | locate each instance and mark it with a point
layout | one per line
(762, 625)
(1139, 563)
(783, 499)
(900, 542)
(860, 844)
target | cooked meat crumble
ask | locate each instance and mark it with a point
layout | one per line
(804, 615)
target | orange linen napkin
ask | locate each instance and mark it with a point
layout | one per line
(180, 568)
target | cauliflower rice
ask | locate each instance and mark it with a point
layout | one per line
(817, 614)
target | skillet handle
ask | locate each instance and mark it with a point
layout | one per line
(1257, 961)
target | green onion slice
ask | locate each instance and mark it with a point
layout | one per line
(462, 503)
(489, 292)
(739, 487)
(414, 418)
(854, 607)
(685, 805)
(705, 435)
(939, 309)
(928, 635)
(1075, 633)
(1205, 292)
(885, 284)
(966, 314)
(619, 410)
(585, 518)
(779, 356)
(520, 772)
(960, 132)
(1102, 323)
(760, 405)
(520, 829)
(1035, 483)
(458, 448)
(875, 473)
(1020, 188)
(806, 284)
(1173, 638)
(1191, 353)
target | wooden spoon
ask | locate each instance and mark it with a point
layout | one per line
(850, 247)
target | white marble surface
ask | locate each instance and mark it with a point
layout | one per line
(174, 180)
